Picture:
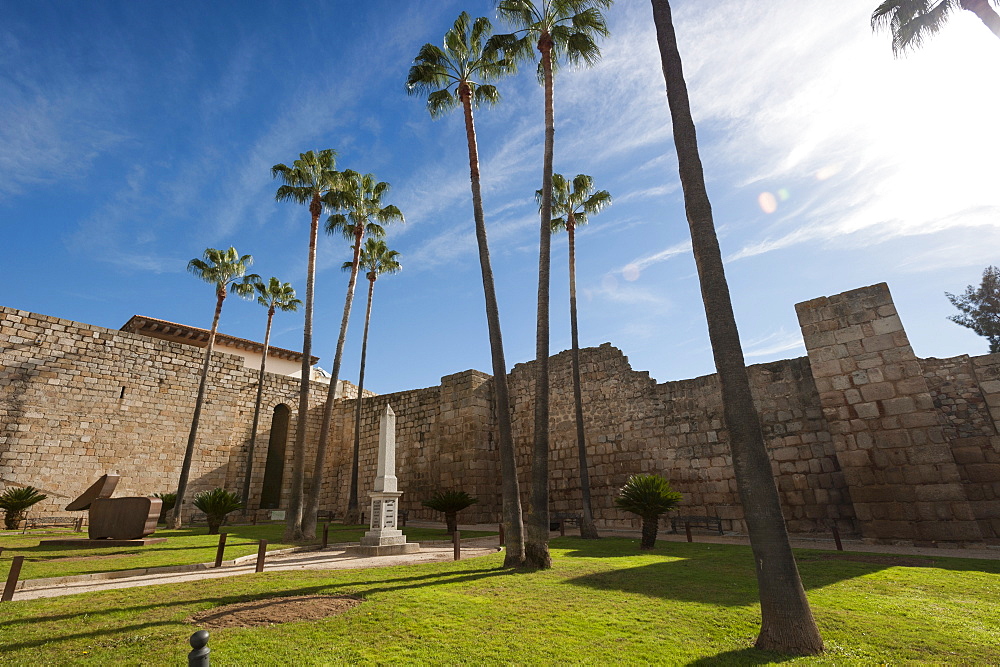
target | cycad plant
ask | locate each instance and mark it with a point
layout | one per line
(649, 496)
(15, 502)
(451, 503)
(216, 504)
(168, 501)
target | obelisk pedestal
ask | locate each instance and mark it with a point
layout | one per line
(383, 538)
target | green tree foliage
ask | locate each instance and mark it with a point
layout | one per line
(216, 504)
(451, 503)
(649, 496)
(910, 22)
(458, 73)
(559, 30)
(980, 306)
(15, 502)
(273, 295)
(226, 270)
(309, 180)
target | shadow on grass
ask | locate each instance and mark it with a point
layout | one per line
(746, 656)
(358, 588)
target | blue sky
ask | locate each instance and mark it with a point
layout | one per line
(135, 135)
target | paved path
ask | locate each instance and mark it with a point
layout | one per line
(333, 558)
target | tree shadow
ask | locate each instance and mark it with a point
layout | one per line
(746, 656)
(104, 604)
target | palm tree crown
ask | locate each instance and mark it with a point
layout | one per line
(310, 177)
(276, 295)
(910, 22)
(444, 73)
(375, 260)
(568, 27)
(361, 197)
(574, 201)
(227, 270)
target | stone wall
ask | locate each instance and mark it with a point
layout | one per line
(861, 432)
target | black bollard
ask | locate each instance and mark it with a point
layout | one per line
(221, 549)
(501, 534)
(562, 527)
(12, 576)
(687, 529)
(456, 540)
(326, 535)
(198, 657)
(261, 554)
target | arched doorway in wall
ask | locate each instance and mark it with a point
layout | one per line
(274, 467)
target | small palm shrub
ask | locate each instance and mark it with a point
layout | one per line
(216, 504)
(451, 503)
(15, 502)
(169, 500)
(649, 496)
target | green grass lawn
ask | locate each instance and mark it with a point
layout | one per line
(183, 547)
(602, 602)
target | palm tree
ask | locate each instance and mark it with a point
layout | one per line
(309, 181)
(911, 21)
(451, 503)
(649, 496)
(216, 504)
(558, 29)
(227, 271)
(449, 76)
(573, 204)
(15, 503)
(787, 621)
(361, 198)
(273, 295)
(376, 259)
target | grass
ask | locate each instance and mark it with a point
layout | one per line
(602, 602)
(183, 547)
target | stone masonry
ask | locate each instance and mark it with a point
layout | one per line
(861, 432)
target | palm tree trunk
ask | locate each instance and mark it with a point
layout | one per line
(512, 522)
(650, 526)
(293, 522)
(536, 548)
(985, 12)
(787, 621)
(361, 388)
(331, 397)
(587, 528)
(199, 402)
(256, 411)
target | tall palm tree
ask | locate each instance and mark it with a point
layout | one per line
(376, 260)
(273, 295)
(787, 622)
(558, 29)
(361, 198)
(910, 22)
(450, 76)
(310, 180)
(573, 203)
(227, 271)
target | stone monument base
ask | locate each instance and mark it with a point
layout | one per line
(364, 551)
(83, 542)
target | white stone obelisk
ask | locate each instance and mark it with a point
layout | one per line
(384, 538)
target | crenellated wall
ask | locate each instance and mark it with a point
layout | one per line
(861, 432)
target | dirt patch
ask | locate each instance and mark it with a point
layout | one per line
(272, 611)
(901, 561)
(66, 559)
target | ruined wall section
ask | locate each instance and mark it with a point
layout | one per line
(888, 435)
(675, 429)
(961, 390)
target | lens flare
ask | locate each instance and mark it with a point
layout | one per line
(630, 273)
(767, 202)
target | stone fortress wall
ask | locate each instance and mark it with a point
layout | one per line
(861, 432)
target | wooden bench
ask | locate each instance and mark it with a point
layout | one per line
(711, 522)
(74, 523)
